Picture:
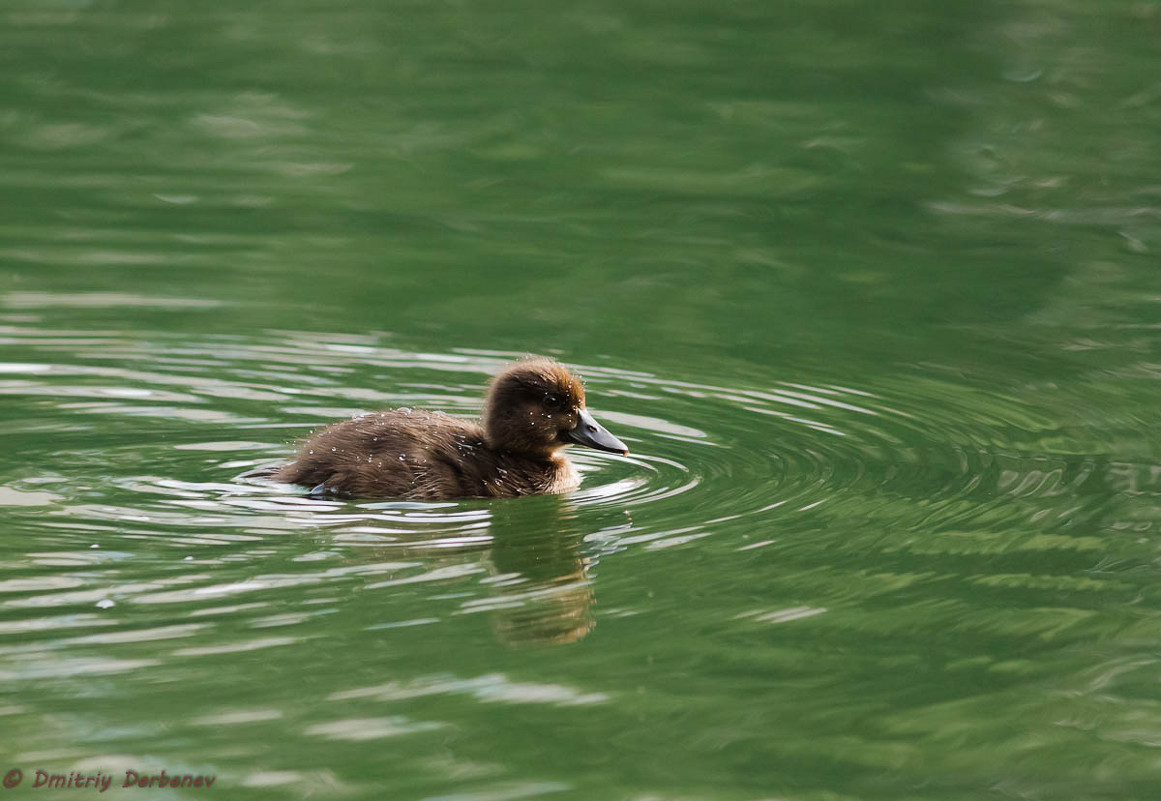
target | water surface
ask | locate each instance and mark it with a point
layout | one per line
(869, 292)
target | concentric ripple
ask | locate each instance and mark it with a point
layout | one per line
(190, 416)
(134, 452)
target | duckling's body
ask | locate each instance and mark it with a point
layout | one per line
(534, 408)
(412, 453)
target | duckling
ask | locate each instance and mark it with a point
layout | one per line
(534, 408)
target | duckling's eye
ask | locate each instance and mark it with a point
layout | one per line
(552, 400)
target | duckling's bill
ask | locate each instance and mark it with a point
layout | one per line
(591, 434)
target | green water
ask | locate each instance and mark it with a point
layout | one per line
(870, 290)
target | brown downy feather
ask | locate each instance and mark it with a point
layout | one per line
(411, 453)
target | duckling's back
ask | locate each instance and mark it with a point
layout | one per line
(397, 453)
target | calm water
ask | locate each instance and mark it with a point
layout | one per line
(870, 290)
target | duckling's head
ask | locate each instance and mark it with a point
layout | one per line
(536, 406)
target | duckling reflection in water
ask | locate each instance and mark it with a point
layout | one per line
(534, 408)
(545, 595)
(526, 569)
